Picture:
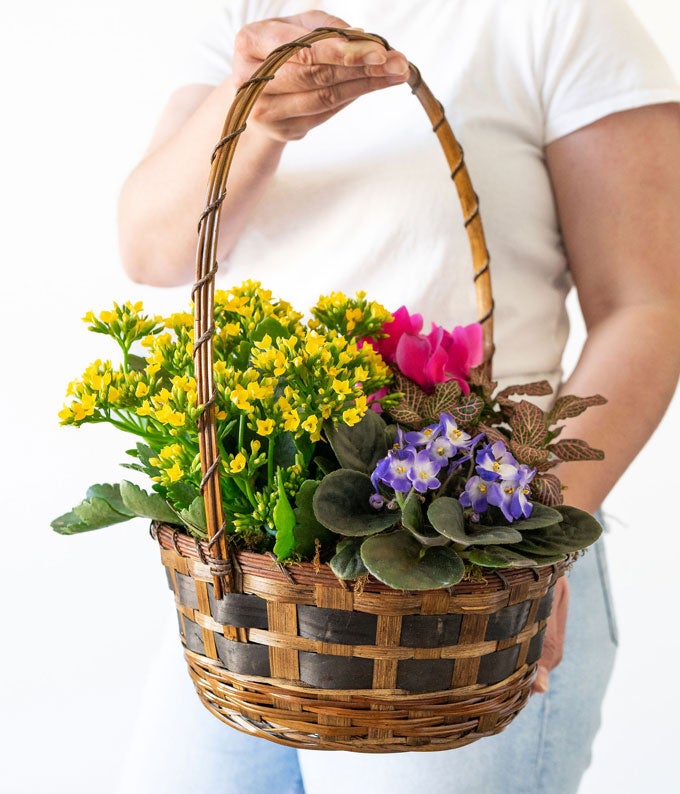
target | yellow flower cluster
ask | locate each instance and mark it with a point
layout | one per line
(351, 317)
(176, 462)
(277, 383)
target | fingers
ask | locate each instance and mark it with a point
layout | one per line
(317, 81)
(553, 643)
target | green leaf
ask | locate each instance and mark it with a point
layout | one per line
(399, 561)
(341, 503)
(136, 363)
(111, 494)
(146, 505)
(361, 446)
(412, 512)
(307, 528)
(577, 530)
(347, 562)
(284, 521)
(446, 516)
(541, 517)
(181, 494)
(498, 557)
(93, 513)
(284, 450)
(272, 327)
(194, 517)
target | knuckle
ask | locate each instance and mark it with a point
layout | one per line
(243, 40)
(321, 75)
(305, 56)
(327, 96)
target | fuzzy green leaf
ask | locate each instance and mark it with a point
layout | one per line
(146, 505)
(359, 447)
(307, 528)
(399, 561)
(341, 503)
(498, 557)
(540, 518)
(446, 516)
(577, 531)
(412, 512)
(347, 562)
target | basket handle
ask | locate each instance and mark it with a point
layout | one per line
(223, 567)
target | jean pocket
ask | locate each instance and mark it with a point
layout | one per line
(603, 573)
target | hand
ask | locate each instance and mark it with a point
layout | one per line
(316, 82)
(554, 636)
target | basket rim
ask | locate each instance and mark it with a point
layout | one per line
(308, 573)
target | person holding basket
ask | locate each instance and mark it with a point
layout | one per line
(571, 127)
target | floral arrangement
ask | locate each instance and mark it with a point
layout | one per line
(353, 439)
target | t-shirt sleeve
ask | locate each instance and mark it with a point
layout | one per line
(597, 59)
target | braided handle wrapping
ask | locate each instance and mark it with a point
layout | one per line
(223, 566)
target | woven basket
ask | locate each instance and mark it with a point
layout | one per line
(294, 655)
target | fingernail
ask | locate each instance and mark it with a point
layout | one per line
(541, 682)
(374, 58)
(396, 65)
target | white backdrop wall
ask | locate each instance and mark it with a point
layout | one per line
(83, 85)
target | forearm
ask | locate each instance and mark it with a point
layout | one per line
(632, 358)
(162, 199)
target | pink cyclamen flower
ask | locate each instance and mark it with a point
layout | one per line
(436, 358)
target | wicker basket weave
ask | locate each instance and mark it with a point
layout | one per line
(293, 654)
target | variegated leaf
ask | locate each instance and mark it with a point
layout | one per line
(468, 411)
(571, 449)
(570, 406)
(539, 388)
(528, 425)
(547, 490)
(529, 455)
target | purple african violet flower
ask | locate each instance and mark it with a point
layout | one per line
(423, 472)
(376, 501)
(423, 436)
(449, 428)
(495, 462)
(441, 449)
(394, 469)
(475, 495)
(511, 494)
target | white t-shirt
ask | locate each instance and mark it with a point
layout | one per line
(365, 201)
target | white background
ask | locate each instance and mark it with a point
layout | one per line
(83, 83)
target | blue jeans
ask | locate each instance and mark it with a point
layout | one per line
(180, 748)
